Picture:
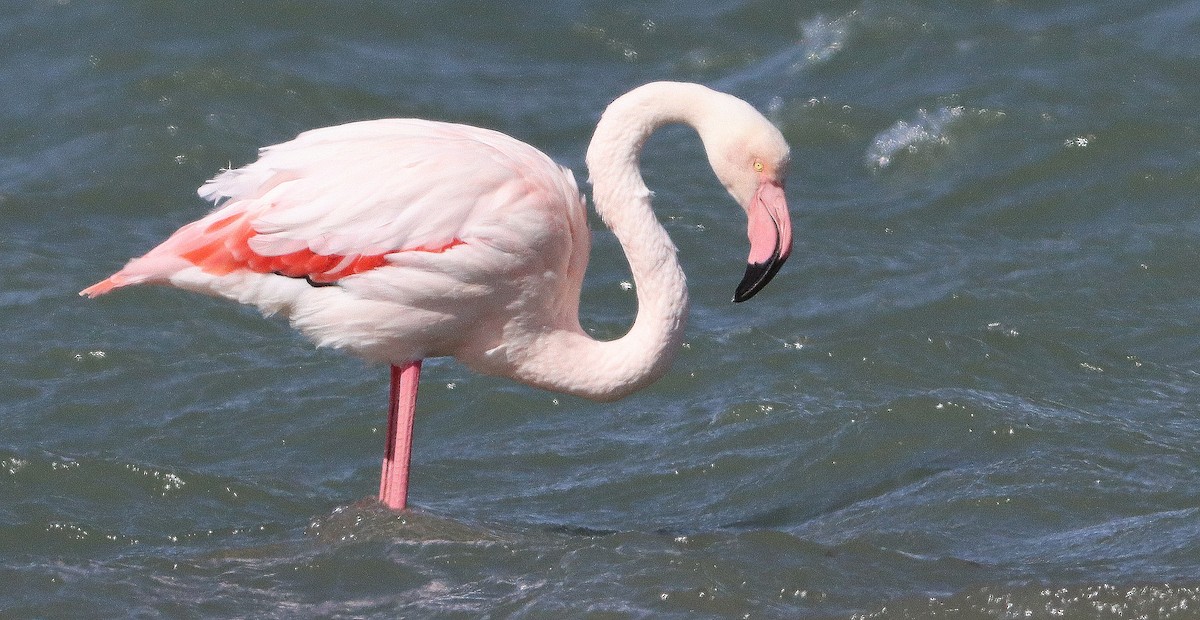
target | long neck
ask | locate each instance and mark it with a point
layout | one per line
(571, 361)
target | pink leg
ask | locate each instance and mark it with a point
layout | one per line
(393, 484)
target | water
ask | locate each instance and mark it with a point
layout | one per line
(972, 391)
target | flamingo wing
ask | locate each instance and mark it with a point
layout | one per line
(338, 201)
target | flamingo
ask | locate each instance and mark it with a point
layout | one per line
(403, 239)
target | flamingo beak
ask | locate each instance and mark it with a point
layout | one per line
(770, 232)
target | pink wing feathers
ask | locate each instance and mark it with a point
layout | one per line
(337, 201)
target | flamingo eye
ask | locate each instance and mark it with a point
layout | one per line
(758, 166)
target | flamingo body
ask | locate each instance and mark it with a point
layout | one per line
(403, 239)
(435, 234)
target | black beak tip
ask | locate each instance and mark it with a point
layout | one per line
(757, 276)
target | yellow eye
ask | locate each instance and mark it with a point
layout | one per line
(758, 167)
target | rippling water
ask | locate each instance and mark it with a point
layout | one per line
(972, 392)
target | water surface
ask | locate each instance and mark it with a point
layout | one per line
(972, 391)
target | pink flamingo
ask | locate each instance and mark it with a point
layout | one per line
(399, 240)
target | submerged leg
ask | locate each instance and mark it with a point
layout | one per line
(393, 483)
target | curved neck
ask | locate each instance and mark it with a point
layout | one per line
(568, 360)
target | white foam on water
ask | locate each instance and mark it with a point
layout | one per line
(822, 38)
(928, 128)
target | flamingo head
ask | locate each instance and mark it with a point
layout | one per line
(750, 158)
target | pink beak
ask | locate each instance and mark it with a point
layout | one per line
(770, 232)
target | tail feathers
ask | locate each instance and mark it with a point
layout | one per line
(195, 244)
(102, 287)
(154, 267)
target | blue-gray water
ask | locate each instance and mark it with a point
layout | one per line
(972, 391)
